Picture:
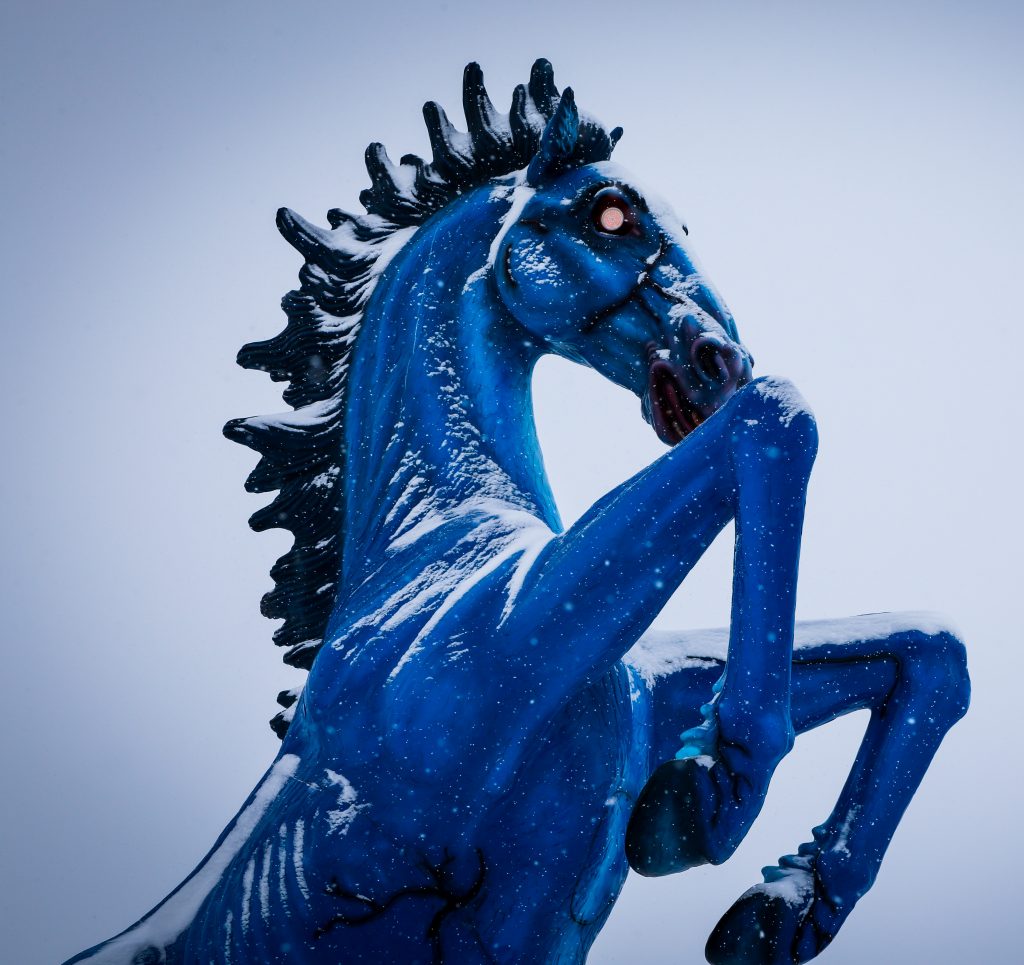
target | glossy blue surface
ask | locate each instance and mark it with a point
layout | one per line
(482, 742)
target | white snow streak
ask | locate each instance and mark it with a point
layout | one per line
(795, 888)
(526, 539)
(162, 926)
(268, 852)
(247, 880)
(843, 837)
(341, 818)
(282, 866)
(229, 919)
(521, 194)
(297, 858)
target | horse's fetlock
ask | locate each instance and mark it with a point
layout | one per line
(764, 737)
(843, 875)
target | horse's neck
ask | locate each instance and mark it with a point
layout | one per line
(440, 418)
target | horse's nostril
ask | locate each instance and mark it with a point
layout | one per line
(710, 358)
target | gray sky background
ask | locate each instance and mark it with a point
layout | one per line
(851, 177)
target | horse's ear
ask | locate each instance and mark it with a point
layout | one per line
(557, 143)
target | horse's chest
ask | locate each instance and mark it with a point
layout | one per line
(575, 792)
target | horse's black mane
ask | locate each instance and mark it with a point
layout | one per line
(303, 452)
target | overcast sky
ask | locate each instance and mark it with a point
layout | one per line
(850, 174)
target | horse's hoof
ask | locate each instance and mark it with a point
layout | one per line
(670, 829)
(785, 921)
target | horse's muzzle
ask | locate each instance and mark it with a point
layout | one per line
(680, 396)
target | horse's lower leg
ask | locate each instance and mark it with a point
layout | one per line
(916, 686)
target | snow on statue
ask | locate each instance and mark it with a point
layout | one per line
(485, 736)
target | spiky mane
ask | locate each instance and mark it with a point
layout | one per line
(303, 451)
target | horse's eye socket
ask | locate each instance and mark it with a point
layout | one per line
(612, 215)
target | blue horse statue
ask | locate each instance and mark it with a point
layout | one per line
(488, 737)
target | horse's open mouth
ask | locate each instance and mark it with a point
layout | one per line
(672, 414)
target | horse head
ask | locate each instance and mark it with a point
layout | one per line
(600, 271)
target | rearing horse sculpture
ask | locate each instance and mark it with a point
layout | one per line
(486, 735)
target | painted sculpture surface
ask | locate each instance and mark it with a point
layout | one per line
(487, 734)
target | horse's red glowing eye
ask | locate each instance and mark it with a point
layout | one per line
(611, 219)
(612, 214)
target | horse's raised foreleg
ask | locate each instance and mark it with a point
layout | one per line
(697, 809)
(599, 585)
(915, 683)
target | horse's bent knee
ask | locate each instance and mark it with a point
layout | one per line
(935, 667)
(773, 412)
(953, 661)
